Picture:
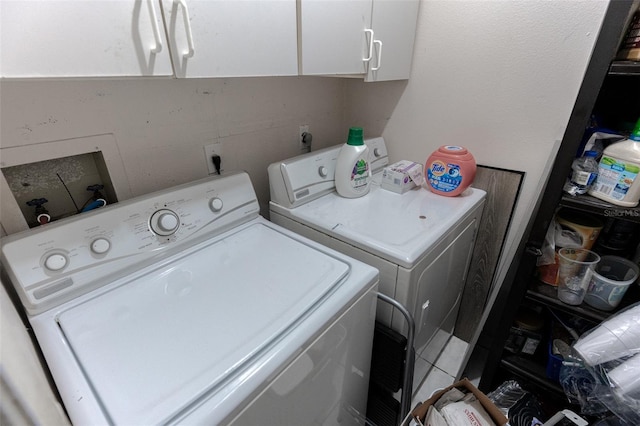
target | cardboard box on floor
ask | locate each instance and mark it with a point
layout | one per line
(466, 386)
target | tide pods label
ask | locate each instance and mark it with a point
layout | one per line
(445, 177)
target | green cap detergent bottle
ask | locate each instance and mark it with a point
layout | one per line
(353, 171)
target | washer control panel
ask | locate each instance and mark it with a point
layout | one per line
(304, 178)
(60, 260)
(164, 222)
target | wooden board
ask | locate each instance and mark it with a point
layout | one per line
(502, 187)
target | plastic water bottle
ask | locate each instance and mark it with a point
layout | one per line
(584, 173)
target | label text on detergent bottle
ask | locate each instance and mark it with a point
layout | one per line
(615, 177)
(445, 177)
(360, 175)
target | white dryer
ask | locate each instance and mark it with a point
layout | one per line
(420, 242)
(185, 306)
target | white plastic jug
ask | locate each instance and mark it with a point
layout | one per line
(618, 180)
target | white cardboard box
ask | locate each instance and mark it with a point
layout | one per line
(402, 176)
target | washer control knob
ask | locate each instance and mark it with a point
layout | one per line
(322, 171)
(215, 204)
(167, 222)
(55, 262)
(164, 222)
(100, 246)
(376, 152)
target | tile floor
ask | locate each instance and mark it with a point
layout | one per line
(446, 369)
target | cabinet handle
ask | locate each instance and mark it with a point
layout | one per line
(377, 67)
(187, 26)
(370, 32)
(156, 29)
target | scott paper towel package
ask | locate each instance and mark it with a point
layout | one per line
(460, 404)
(402, 176)
(469, 411)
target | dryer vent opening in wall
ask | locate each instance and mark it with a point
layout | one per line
(60, 187)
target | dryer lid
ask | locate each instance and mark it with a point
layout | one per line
(398, 228)
(158, 343)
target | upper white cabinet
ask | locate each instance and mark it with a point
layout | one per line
(373, 38)
(207, 38)
(394, 28)
(223, 38)
(53, 38)
(332, 36)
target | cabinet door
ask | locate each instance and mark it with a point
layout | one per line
(232, 38)
(333, 37)
(52, 38)
(394, 26)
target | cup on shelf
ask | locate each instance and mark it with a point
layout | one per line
(617, 337)
(575, 268)
(611, 278)
(626, 377)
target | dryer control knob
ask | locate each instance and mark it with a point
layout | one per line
(376, 152)
(164, 222)
(215, 204)
(55, 262)
(100, 246)
(322, 171)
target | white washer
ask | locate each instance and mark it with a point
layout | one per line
(185, 306)
(420, 242)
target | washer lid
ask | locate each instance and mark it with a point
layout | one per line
(155, 345)
(399, 228)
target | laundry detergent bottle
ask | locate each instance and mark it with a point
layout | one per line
(353, 172)
(618, 180)
(450, 170)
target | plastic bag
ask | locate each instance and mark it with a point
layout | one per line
(519, 406)
(506, 395)
(598, 140)
(605, 372)
(579, 386)
(548, 248)
(557, 236)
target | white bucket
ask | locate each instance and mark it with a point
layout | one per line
(611, 279)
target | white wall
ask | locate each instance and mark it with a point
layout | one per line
(499, 77)
(25, 394)
(159, 125)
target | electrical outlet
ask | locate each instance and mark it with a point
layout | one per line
(301, 145)
(210, 151)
